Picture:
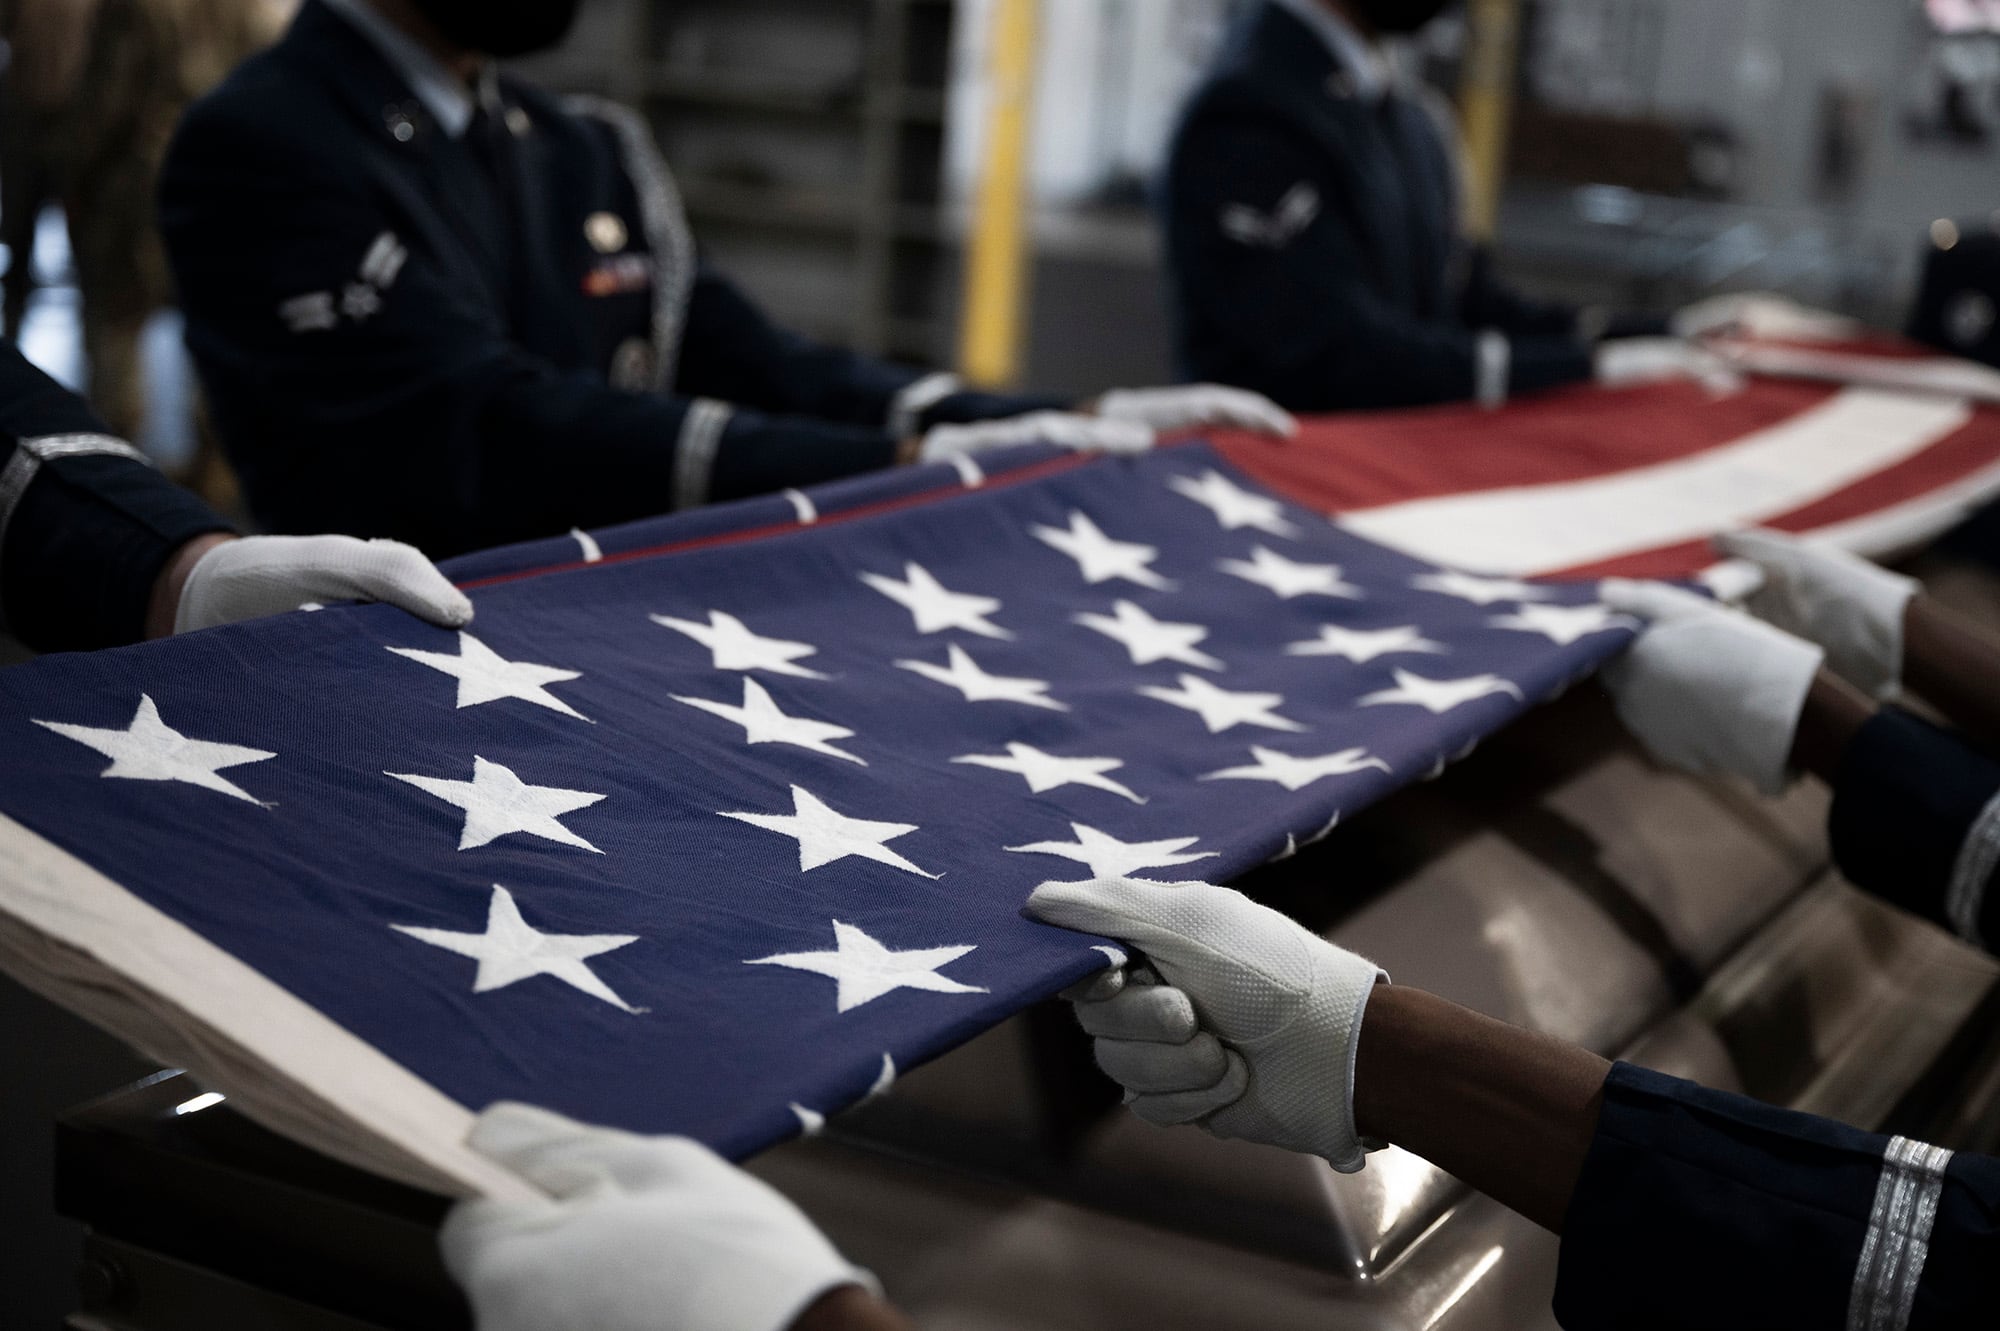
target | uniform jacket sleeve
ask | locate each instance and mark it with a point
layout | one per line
(1704, 1211)
(401, 407)
(1301, 320)
(735, 353)
(86, 524)
(1916, 820)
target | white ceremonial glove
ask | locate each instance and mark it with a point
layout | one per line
(1847, 605)
(1253, 1033)
(1707, 689)
(1758, 314)
(638, 1234)
(1186, 406)
(1626, 361)
(1067, 429)
(266, 575)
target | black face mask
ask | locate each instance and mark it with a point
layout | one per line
(500, 27)
(1398, 16)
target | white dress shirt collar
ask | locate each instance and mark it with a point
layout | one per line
(1364, 66)
(442, 93)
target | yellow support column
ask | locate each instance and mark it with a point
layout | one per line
(1486, 103)
(996, 272)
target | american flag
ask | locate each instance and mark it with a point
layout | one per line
(712, 824)
(1870, 443)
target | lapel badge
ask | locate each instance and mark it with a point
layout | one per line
(605, 232)
(402, 125)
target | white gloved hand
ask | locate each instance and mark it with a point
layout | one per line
(266, 575)
(1847, 605)
(1627, 361)
(1189, 405)
(1253, 1033)
(1084, 434)
(638, 1233)
(1706, 689)
(1758, 314)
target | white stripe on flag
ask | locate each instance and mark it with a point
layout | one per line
(183, 1000)
(1543, 528)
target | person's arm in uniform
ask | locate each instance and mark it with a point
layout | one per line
(1880, 631)
(1679, 1206)
(736, 353)
(88, 529)
(97, 549)
(1915, 817)
(1488, 301)
(1262, 252)
(373, 375)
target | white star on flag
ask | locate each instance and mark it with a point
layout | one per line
(485, 676)
(863, 970)
(1288, 578)
(965, 675)
(1478, 590)
(1148, 640)
(1108, 857)
(1046, 771)
(1562, 624)
(1296, 773)
(825, 836)
(934, 608)
(732, 645)
(151, 750)
(811, 1121)
(764, 722)
(1219, 709)
(1439, 695)
(497, 803)
(1235, 507)
(1364, 645)
(511, 950)
(1098, 557)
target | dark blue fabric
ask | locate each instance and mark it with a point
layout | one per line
(467, 402)
(90, 534)
(1703, 1211)
(1904, 797)
(306, 884)
(1373, 303)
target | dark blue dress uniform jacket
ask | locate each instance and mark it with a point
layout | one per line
(1697, 1209)
(459, 342)
(1312, 241)
(1916, 820)
(86, 524)
(1702, 1211)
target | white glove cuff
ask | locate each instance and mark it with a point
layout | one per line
(1874, 661)
(773, 1299)
(1338, 1003)
(1770, 716)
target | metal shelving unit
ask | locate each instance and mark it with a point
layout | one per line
(808, 140)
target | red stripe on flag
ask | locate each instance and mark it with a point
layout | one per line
(1959, 455)
(1344, 463)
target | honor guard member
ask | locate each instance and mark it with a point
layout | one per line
(431, 302)
(97, 549)
(1915, 817)
(1311, 209)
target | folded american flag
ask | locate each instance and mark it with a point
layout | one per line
(711, 824)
